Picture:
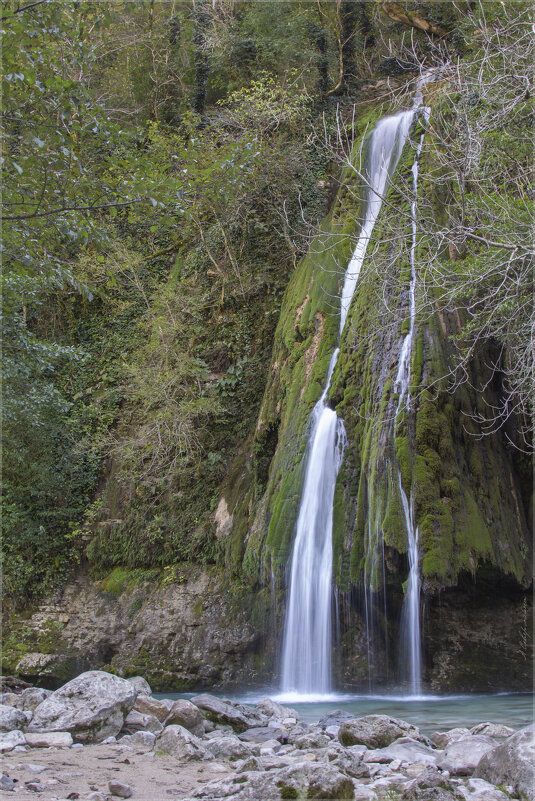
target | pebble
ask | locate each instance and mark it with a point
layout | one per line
(120, 789)
(6, 783)
(96, 796)
(35, 787)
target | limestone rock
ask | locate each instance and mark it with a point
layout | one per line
(309, 780)
(228, 747)
(312, 740)
(92, 706)
(461, 757)
(485, 791)
(119, 789)
(181, 744)
(137, 721)
(184, 713)
(272, 709)
(28, 699)
(443, 738)
(140, 685)
(11, 740)
(512, 762)
(260, 734)
(405, 749)
(375, 731)
(220, 710)
(349, 760)
(148, 705)
(49, 739)
(144, 739)
(11, 718)
(498, 731)
(431, 786)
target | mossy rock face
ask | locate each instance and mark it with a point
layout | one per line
(463, 489)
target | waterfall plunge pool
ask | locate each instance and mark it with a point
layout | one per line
(429, 712)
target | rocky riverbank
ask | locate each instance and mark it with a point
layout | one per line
(100, 737)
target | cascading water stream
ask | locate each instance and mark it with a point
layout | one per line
(410, 642)
(306, 663)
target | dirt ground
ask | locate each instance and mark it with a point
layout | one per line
(66, 771)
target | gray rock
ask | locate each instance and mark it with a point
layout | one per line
(312, 740)
(431, 786)
(443, 738)
(145, 739)
(274, 710)
(95, 796)
(496, 730)
(181, 744)
(35, 787)
(308, 780)
(34, 768)
(406, 750)
(228, 747)
(512, 763)
(52, 739)
(148, 705)
(6, 783)
(28, 699)
(11, 740)
(137, 721)
(349, 760)
(220, 710)
(260, 734)
(375, 731)
(184, 713)
(140, 685)
(461, 757)
(244, 765)
(11, 718)
(484, 791)
(92, 706)
(119, 789)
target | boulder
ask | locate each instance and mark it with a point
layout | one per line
(11, 718)
(49, 739)
(92, 706)
(181, 744)
(28, 699)
(512, 763)
(184, 713)
(137, 721)
(431, 786)
(485, 791)
(461, 757)
(498, 731)
(406, 750)
(308, 780)
(349, 760)
(260, 734)
(144, 739)
(221, 710)
(140, 685)
(375, 731)
(148, 705)
(443, 738)
(274, 710)
(312, 740)
(228, 747)
(11, 740)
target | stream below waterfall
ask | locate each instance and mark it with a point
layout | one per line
(429, 712)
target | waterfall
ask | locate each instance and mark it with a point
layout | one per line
(410, 642)
(306, 662)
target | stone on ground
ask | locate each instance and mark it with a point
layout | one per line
(512, 762)
(11, 718)
(184, 713)
(92, 707)
(12, 739)
(220, 710)
(140, 685)
(119, 789)
(148, 705)
(375, 731)
(181, 744)
(461, 757)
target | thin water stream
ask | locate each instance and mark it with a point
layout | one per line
(306, 662)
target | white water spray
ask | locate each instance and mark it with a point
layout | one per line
(306, 663)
